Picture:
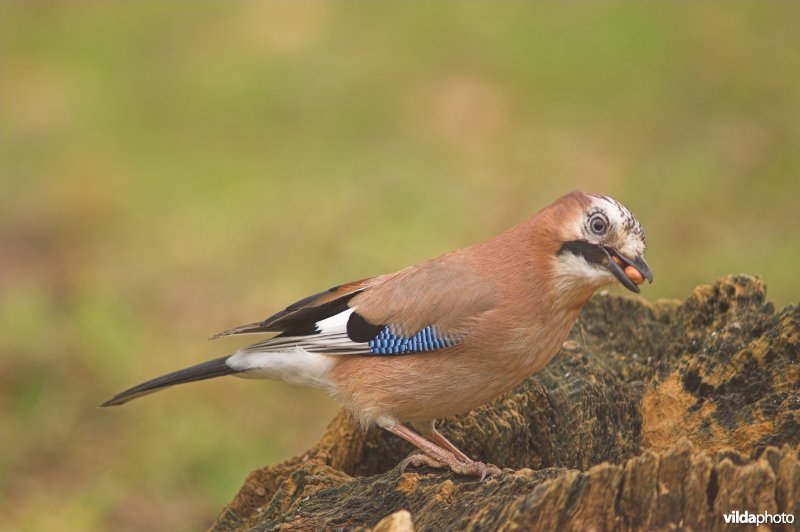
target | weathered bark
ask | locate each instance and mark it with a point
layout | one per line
(653, 416)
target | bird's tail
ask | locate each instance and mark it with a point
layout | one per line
(206, 370)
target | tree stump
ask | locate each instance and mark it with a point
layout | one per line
(653, 416)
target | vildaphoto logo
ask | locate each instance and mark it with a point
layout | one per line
(744, 518)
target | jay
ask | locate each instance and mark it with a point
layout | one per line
(440, 338)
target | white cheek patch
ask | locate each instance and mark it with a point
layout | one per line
(572, 271)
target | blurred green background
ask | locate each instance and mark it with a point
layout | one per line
(168, 170)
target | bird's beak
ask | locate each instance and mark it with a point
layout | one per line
(630, 272)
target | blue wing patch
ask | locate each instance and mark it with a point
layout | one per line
(357, 336)
(427, 339)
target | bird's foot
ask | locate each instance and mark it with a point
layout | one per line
(468, 469)
(420, 460)
(476, 469)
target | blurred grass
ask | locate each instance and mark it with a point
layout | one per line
(168, 171)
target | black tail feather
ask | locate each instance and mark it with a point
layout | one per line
(206, 370)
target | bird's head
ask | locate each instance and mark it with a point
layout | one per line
(600, 242)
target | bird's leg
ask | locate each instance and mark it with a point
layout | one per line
(434, 455)
(429, 431)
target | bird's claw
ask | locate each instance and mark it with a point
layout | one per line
(420, 460)
(478, 469)
(468, 469)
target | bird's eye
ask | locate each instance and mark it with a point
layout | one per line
(598, 224)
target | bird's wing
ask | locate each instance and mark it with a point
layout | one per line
(301, 316)
(419, 309)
